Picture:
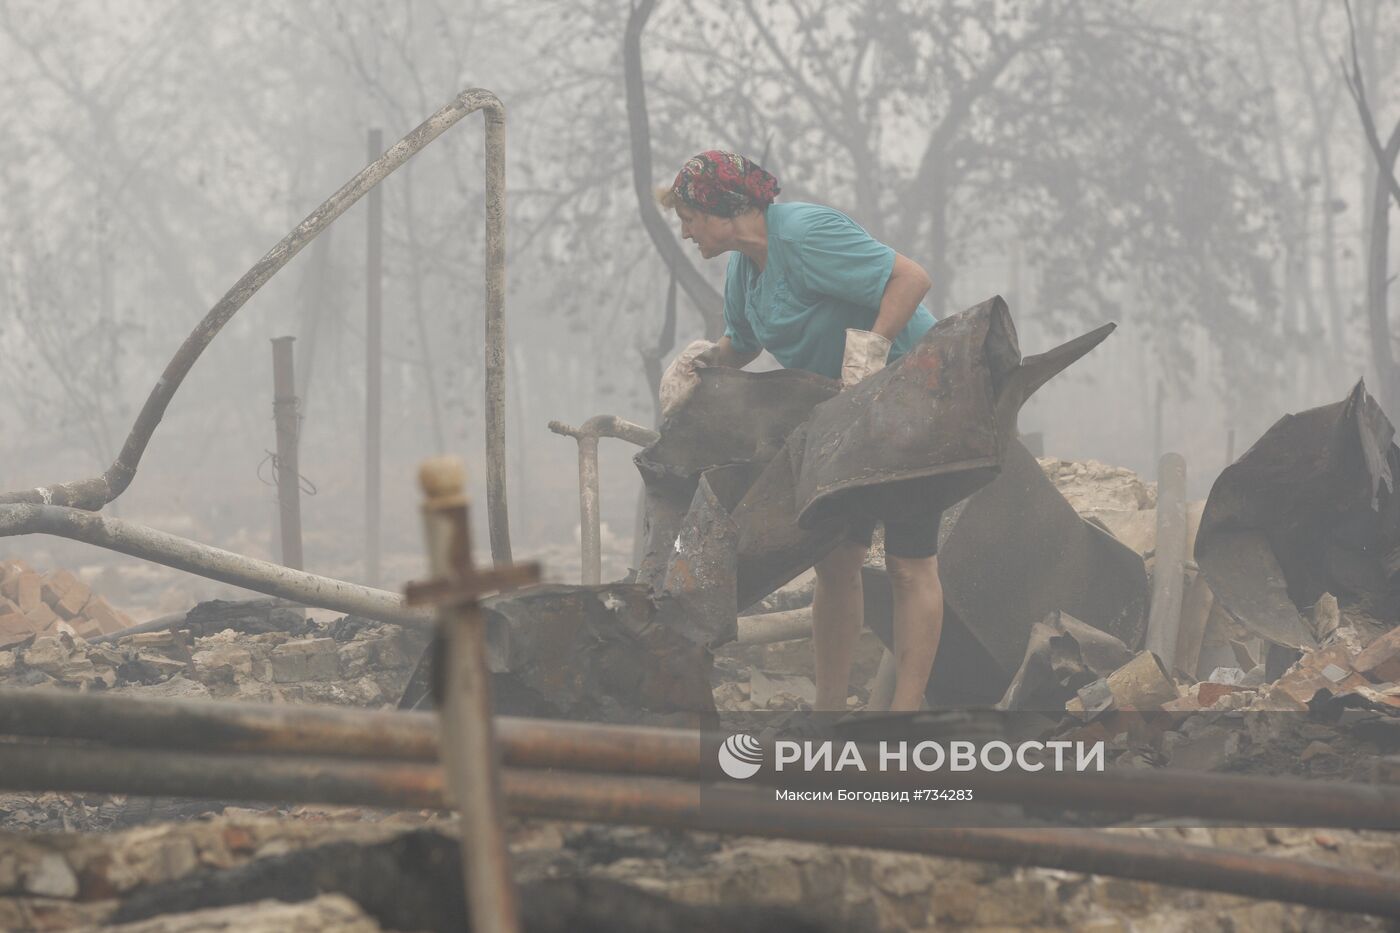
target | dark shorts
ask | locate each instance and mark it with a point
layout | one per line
(902, 539)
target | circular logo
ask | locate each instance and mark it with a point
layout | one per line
(740, 756)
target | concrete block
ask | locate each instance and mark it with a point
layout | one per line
(305, 659)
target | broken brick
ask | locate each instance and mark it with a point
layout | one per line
(1380, 661)
(61, 581)
(100, 613)
(1207, 693)
(65, 593)
(41, 617)
(24, 590)
(13, 627)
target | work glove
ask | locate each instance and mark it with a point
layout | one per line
(866, 352)
(680, 380)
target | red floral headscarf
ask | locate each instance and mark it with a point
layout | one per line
(724, 183)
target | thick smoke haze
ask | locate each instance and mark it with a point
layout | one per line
(1195, 171)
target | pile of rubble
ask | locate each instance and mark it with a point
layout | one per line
(230, 651)
(55, 603)
(1090, 486)
(56, 881)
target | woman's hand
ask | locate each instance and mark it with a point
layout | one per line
(680, 380)
(866, 353)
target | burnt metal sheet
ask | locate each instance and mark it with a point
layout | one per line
(931, 415)
(732, 418)
(1012, 554)
(601, 653)
(698, 591)
(773, 547)
(1310, 508)
(955, 404)
(930, 429)
(1017, 551)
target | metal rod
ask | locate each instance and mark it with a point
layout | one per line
(673, 804)
(114, 534)
(374, 364)
(496, 511)
(208, 727)
(286, 417)
(467, 737)
(1164, 618)
(678, 805)
(590, 522)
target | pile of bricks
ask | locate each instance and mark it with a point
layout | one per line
(32, 603)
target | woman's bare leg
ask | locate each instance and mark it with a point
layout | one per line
(918, 625)
(838, 610)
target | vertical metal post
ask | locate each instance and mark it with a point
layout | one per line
(469, 748)
(286, 417)
(1229, 446)
(496, 333)
(374, 364)
(1164, 618)
(590, 525)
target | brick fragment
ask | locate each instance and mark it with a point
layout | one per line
(41, 617)
(65, 593)
(1380, 662)
(1207, 693)
(12, 568)
(61, 580)
(14, 627)
(27, 591)
(73, 601)
(86, 628)
(99, 612)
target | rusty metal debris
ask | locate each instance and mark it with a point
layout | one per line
(1140, 684)
(1063, 655)
(299, 735)
(736, 419)
(589, 653)
(1309, 509)
(1017, 551)
(590, 528)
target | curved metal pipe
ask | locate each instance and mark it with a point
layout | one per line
(93, 493)
(590, 529)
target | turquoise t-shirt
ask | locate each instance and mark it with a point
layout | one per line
(824, 273)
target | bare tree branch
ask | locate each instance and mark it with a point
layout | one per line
(1356, 85)
(705, 297)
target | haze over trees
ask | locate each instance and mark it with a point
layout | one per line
(1197, 172)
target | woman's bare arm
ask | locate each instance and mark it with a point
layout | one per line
(908, 285)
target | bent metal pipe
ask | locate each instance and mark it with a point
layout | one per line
(93, 493)
(590, 529)
(195, 728)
